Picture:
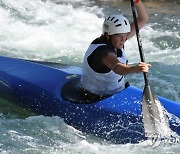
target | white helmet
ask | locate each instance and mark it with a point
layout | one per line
(115, 24)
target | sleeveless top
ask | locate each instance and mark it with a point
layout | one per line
(96, 77)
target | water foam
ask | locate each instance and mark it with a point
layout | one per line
(53, 32)
(48, 30)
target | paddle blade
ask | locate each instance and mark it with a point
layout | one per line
(154, 117)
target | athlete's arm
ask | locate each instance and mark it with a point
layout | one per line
(141, 19)
(114, 64)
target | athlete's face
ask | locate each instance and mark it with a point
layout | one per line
(118, 40)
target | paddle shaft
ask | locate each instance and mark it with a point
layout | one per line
(138, 40)
(155, 120)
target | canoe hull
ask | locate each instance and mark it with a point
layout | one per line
(116, 118)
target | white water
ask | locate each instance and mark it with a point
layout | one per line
(39, 134)
(47, 31)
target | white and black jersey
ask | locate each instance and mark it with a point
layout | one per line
(97, 77)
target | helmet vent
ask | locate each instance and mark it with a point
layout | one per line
(112, 18)
(125, 22)
(118, 25)
(116, 21)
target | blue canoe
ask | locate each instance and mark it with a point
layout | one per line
(52, 91)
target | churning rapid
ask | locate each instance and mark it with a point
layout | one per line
(60, 31)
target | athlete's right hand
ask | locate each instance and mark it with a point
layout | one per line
(143, 67)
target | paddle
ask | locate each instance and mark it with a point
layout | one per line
(154, 117)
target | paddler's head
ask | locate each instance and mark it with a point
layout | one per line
(115, 29)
